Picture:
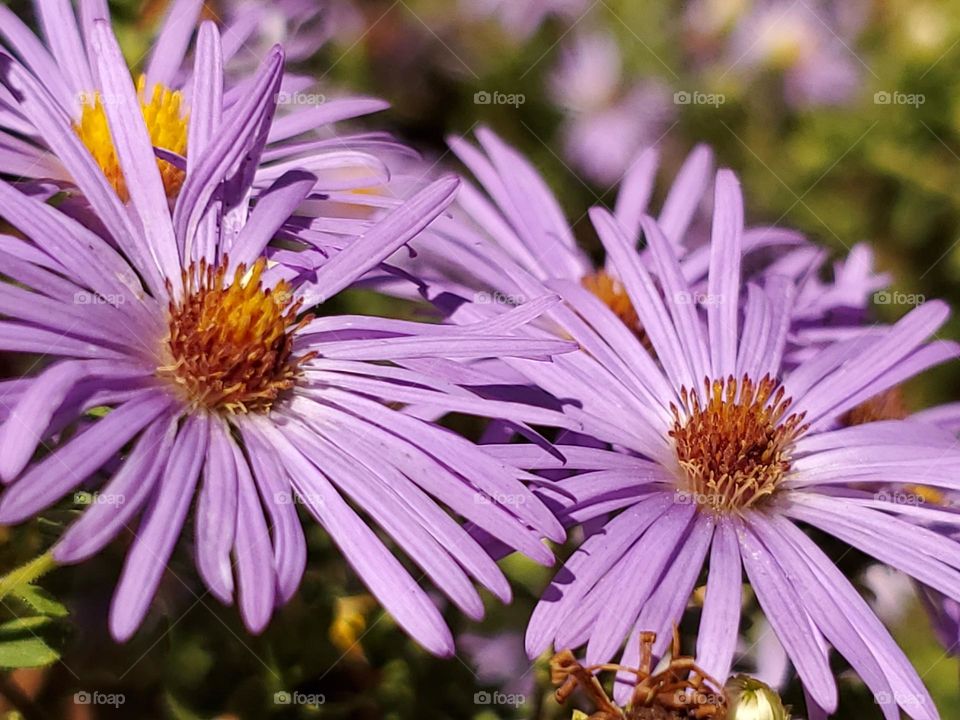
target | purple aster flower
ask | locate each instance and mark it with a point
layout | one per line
(608, 121)
(719, 451)
(67, 70)
(214, 392)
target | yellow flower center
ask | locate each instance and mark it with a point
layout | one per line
(733, 451)
(613, 294)
(166, 126)
(230, 344)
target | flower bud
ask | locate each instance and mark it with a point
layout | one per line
(751, 699)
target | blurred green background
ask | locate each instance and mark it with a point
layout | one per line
(841, 120)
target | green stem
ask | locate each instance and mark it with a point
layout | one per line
(26, 574)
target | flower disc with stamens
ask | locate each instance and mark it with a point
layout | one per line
(166, 126)
(230, 346)
(733, 451)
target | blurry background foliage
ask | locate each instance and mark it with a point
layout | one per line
(862, 169)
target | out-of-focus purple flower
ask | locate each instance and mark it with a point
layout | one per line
(608, 121)
(812, 44)
(211, 386)
(522, 18)
(719, 450)
(499, 660)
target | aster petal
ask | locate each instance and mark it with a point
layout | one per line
(159, 529)
(448, 533)
(15, 337)
(394, 514)
(129, 489)
(723, 283)
(63, 36)
(170, 47)
(30, 417)
(757, 321)
(800, 638)
(72, 463)
(923, 554)
(488, 475)
(380, 571)
(216, 516)
(885, 353)
(720, 620)
(206, 118)
(73, 251)
(905, 682)
(55, 127)
(23, 42)
(395, 230)
(666, 604)
(685, 194)
(274, 206)
(276, 491)
(645, 298)
(679, 299)
(781, 294)
(409, 454)
(646, 561)
(587, 566)
(315, 116)
(256, 576)
(635, 191)
(234, 141)
(819, 603)
(135, 152)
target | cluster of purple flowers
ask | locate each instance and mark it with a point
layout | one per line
(711, 390)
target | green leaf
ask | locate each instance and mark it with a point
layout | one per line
(21, 644)
(40, 600)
